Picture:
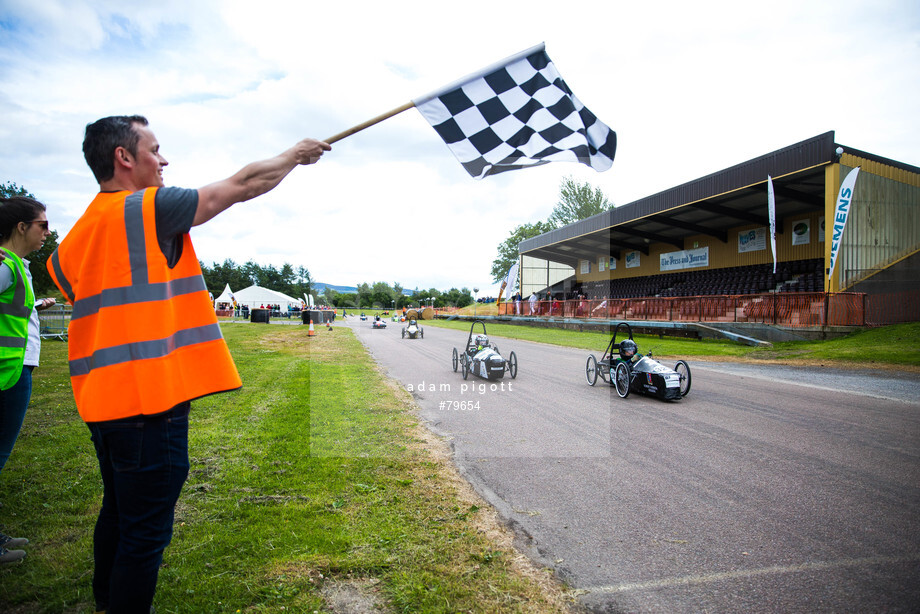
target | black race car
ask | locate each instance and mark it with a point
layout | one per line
(378, 322)
(413, 331)
(623, 367)
(482, 358)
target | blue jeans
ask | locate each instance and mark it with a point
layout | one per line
(144, 463)
(13, 403)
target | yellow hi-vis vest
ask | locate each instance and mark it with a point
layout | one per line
(16, 304)
(143, 337)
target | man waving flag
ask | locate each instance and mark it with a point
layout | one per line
(515, 114)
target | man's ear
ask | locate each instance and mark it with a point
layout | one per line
(123, 156)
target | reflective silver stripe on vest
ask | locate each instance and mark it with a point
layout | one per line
(64, 283)
(18, 307)
(12, 342)
(128, 295)
(134, 229)
(142, 350)
(140, 290)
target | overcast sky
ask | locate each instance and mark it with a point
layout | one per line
(689, 87)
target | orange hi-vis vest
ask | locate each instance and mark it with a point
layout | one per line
(143, 337)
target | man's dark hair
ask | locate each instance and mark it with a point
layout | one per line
(104, 136)
(17, 209)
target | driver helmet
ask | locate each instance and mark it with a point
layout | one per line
(482, 341)
(628, 349)
(412, 323)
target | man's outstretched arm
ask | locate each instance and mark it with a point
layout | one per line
(255, 179)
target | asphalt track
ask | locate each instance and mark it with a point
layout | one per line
(766, 489)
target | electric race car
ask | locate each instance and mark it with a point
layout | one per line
(624, 368)
(378, 323)
(413, 331)
(482, 358)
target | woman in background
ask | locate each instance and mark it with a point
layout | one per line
(23, 230)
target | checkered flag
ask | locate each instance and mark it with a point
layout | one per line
(516, 114)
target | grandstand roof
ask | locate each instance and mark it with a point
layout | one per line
(710, 205)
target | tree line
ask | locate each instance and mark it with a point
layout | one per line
(296, 282)
(381, 295)
(290, 280)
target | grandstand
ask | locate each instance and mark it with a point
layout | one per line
(709, 239)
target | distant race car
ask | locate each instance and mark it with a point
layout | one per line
(623, 367)
(378, 323)
(482, 358)
(363, 317)
(413, 331)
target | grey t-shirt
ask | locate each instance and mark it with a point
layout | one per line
(175, 211)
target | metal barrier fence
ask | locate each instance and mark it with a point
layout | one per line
(797, 309)
(53, 322)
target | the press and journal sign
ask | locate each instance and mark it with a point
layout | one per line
(685, 259)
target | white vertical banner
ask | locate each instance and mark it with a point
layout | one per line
(509, 282)
(771, 211)
(841, 212)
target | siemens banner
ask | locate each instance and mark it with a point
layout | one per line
(685, 259)
(844, 200)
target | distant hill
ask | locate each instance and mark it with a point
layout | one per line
(319, 288)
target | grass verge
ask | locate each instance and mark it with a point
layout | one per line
(895, 346)
(311, 488)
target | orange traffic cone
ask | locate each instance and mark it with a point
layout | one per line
(311, 332)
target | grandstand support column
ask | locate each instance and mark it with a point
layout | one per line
(831, 187)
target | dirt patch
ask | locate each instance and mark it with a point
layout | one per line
(354, 596)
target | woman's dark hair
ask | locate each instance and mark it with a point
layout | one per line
(104, 136)
(17, 209)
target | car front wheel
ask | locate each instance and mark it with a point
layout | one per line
(683, 369)
(591, 370)
(621, 379)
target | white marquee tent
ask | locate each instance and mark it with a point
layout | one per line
(225, 297)
(256, 296)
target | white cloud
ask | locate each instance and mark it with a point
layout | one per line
(690, 88)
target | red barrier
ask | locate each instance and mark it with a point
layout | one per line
(793, 309)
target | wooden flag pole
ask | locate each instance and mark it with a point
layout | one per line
(370, 122)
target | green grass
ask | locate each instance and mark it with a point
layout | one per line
(895, 346)
(316, 472)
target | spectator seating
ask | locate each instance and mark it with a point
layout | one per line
(793, 276)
